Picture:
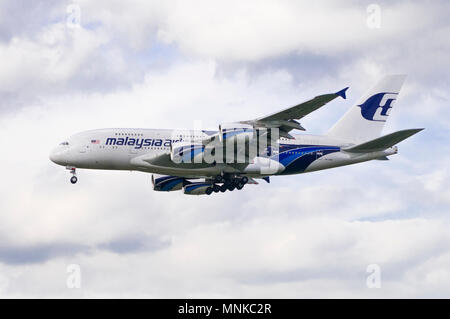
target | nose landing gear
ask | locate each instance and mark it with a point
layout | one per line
(73, 171)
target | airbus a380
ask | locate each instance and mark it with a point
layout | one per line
(202, 162)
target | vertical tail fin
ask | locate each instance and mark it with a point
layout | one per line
(366, 119)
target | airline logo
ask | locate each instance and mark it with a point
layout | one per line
(139, 142)
(377, 107)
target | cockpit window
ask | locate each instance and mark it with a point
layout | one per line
(64, 143)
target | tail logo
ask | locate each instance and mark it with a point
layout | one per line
(377, 107)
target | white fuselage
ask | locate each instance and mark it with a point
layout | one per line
(133, 149)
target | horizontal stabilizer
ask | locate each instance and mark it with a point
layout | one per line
(383, 142)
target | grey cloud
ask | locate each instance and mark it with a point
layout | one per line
(22, 17)
(324, 272)
(340, 269)
(135, 244)
(14, 254)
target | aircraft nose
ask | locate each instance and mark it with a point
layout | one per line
(54, 156)
(57, 156)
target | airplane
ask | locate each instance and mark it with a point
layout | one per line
(205, 162)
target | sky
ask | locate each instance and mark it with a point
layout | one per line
(69, 66)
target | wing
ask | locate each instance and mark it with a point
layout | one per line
(285, 120)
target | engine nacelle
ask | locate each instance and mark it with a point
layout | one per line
(164, 183)
(236, 132)
(187, 152)
(200, 188)
(264, 166)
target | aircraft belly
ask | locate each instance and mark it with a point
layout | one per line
(329, 161)
(210, 171)
(97, 160)
(343, 158)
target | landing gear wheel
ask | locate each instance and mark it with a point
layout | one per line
(216, 188)
(208, 191)
(244, 180)
(223, 188)
(73, 171)
(218, 179)
(239, 186)
(231, 187)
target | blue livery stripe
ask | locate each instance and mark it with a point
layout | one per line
(169, 185)
(296, 160)
(189, 188)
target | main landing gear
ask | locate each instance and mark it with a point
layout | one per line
(229, 184)
(73, 171)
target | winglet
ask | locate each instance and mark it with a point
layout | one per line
(341, 93)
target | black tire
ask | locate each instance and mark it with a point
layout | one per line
(218, 179)
(223, 188)
(73, 179)
(231, 187)
(208, 191)
(244, 180)
(216, 188)
(239, 186)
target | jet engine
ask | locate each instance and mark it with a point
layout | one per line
(198, 188)
(193, 152)
(187, 152)
(236, 132)
(164, 183)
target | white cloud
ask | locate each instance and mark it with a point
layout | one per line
(262, 258)
(300, 236)
(254, 30)
(55, 56)
(294, 233)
